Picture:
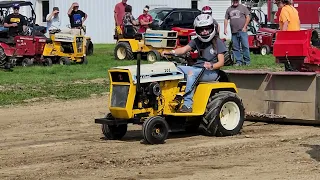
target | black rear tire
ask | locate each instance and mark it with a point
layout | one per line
(127, 50)
(212, 123)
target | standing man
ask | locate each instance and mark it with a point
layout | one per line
(15, 22)
(119, 11)
(144, 19)
(53, 19)
(239, 16)
(77, 18)
(289, 17)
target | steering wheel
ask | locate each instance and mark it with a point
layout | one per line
(182, 59)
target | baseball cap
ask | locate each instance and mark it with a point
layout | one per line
(16, 6)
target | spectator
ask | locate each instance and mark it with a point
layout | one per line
(128, 19)
(239, 16)
(289, 17)
(119, 11)
(15, 22)
(77, 18)
(208, 10)
(144, 19)
(53, 20)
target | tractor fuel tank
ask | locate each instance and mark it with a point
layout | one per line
(279, 96)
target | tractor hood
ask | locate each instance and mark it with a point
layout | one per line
(158, 71)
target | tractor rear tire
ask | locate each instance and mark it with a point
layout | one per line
(3, 58)
(26, 62)
(228, 60)
(123, 51)
(153, 56)
(89, 48)
(114, 132)
(155, 130)
(224, 115)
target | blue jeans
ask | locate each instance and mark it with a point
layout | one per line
(191, 74)
(237, 38)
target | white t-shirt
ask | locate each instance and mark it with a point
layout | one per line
(54, 23)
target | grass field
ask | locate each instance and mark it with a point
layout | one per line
(77, 81)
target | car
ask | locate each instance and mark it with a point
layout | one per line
(166, 18)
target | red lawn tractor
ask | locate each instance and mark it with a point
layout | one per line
(23, 50)
(26, 48)
(298, 50)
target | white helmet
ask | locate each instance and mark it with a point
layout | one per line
(204, 21)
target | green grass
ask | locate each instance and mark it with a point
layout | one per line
(76, 81)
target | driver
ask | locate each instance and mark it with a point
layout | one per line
(15, 22)
(211, 56)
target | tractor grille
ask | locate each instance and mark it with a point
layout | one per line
(119, 95)
(79, 42)
(171, 43)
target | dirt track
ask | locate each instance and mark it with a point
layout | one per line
(60, 140)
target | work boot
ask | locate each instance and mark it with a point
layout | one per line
(185, 109)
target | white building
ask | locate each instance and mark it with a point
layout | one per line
(100, 22)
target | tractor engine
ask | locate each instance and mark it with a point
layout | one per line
(149, 98)
(67, 47)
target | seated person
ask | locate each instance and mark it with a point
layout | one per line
(145, 20)
(211, 56)
(129, 20)
(15, 22)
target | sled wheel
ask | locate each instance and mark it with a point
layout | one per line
(114, 132)
(265, 50)
(224, 115)
(155, 130)
(47, 62)
(84, 60)
(26, 62)
(64, 61)
(123, 51)
(153, 56)
(89, 48)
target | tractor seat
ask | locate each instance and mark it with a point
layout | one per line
(7, 40)
(129, 32)
(222, 77)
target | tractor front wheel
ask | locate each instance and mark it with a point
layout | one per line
(155, 130)
(26, 62)
(64, 61)
(265, 50)
(47, 62)
(153, 56)
(224, 115)
(123, 51)
(114, 132)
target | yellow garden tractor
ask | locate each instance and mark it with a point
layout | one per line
(151, 94)
(152, 43)
(65, 48)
